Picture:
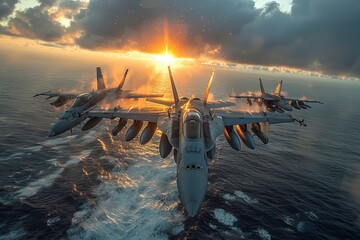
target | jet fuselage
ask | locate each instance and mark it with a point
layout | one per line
(73, 116)
(196, 136)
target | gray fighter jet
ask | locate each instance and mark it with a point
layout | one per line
(276, 101)
(85, 102)
(191, 127)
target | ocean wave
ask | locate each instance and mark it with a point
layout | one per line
(19, 233)
(240, 195)
(137, 202)
(263, 234)
(48, 180)
(224, 217)
(57, 141)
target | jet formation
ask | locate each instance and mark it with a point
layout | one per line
(85, 102)
(189, 127)
(276, 101)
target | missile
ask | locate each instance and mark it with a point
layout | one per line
(249, 101)
(286, 107)
(295, 105)
(148, 133)
(279, 110)
(245, 136)
(121, 124)
(211, 153)
(302, 104)
(232, 138)
(91, 123)
(257, 131)
(133, 130)
(164, 146)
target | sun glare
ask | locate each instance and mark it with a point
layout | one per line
(166, 58)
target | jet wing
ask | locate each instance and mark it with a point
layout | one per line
(302, 100)
(239, 117)
(129, 94)
(143, 95)
(135, 114)
(162, 101)
(245, 96)
(50, 94)
(220, 104)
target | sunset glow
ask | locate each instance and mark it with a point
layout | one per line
(166, 58)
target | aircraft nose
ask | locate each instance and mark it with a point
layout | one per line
(51, 133)
(192, 207)
(192, 186)
(59, 127)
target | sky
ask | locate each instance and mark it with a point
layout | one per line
(309, 35)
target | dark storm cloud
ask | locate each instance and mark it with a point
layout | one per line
(6, 8)
(318, 35)
(71, 5)
(321, 35)
(35, 23)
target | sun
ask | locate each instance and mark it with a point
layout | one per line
(165, 58)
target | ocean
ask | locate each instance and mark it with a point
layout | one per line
(304, 184)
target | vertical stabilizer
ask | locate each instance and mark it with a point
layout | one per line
(207, 91)
(278, 88)
(175, 94)
(100, 79)
(262, 87)
(121, 84)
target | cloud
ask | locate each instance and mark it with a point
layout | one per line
(6, 8)
(36, 23)
(319, 35)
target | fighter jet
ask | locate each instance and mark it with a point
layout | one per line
(85, 102)
(190, 127)
(276, 101)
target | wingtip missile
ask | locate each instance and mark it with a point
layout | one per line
(39, 94)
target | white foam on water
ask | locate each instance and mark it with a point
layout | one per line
(245, 197)
(300, 227)
(136, 202)
(312, 215)
(13, 156)
(19, 233)
(36, 186)
(240, 195)
(89, 137)
(229, 197)
(81, 215)
(48, 180)
(263, 234)
(52, 221)
(212, 226)
(34, 148)
(289, 220)
(224, 217)
(54, 142)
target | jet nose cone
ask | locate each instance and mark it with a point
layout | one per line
(59, 127)
(52, 133)
(192, 208)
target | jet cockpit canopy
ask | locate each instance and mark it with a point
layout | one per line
(81, 99)
(192, 124)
